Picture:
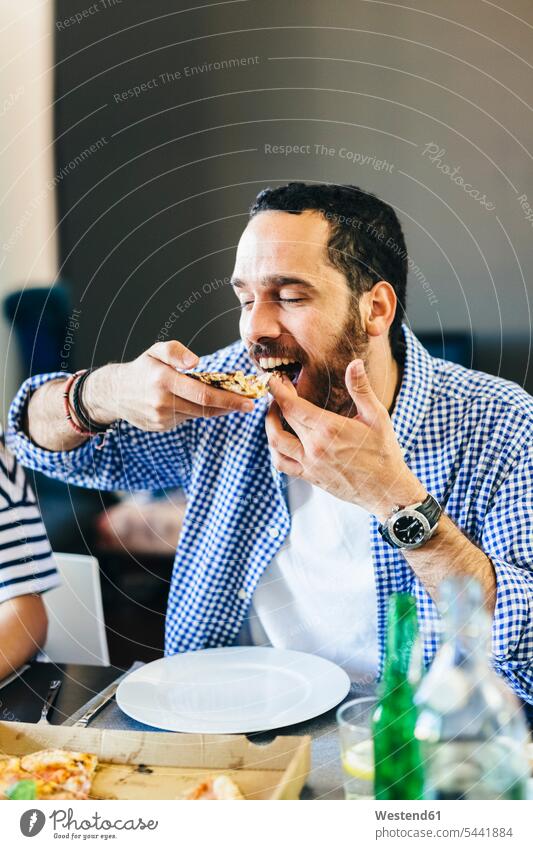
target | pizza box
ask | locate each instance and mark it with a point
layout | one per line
(165, 765)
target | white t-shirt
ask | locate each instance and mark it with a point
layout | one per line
(319, 595)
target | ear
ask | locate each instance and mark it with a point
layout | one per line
(379, 308)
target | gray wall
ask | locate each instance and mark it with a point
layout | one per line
(152, 218)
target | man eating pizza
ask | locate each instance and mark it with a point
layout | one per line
(373, 468)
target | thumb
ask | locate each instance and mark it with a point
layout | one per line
(361, 392)
(174, 354)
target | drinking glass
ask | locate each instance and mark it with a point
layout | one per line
(354, 719)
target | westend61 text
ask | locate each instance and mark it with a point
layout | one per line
(407, 815)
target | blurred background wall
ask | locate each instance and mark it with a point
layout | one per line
(28, 244)
(167, 120)
(190, 112)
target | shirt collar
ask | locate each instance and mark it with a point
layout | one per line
(415, 395)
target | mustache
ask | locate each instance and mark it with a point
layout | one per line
(258, 351)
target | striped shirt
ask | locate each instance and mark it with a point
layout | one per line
(467, 436)
(26, 560)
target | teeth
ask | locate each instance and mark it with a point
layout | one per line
(274, 362)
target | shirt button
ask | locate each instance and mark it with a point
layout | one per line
(273, 532)
(242, 594)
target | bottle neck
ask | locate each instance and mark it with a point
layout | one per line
(468, 633)
(401, 636)
(465, 624)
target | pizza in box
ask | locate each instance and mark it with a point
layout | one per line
(62, 774)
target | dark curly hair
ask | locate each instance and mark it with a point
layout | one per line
(366, 241)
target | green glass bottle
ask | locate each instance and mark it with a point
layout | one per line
(399, 772)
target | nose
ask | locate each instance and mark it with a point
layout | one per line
(260, 321)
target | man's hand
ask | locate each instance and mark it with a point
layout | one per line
(151, 394)
(357, 459)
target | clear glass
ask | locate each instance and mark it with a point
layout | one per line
(354, 719)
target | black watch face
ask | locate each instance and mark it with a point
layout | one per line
(409, 530)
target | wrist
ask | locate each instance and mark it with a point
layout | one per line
(100, 396)
(406, 489)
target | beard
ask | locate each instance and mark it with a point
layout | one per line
(327, 375)
(322, 380)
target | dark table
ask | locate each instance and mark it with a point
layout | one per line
(22, 700)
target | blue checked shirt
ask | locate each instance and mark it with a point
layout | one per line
(466, 435)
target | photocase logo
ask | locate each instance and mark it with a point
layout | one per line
(32, 822)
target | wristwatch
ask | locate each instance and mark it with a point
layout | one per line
(410, 527)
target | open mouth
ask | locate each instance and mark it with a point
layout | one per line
(291, 368)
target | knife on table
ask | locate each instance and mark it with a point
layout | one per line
(104, 698)
(100, 701)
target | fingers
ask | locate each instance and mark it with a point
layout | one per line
(300, 414)
(177, 356)
(369, 408)
(284, 447)
(204, 396)
(288, 466)
(163, 396)
(162, 416)
(281, 442)
(196, 411)
(174, 354)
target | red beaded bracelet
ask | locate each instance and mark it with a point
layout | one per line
(68, 409)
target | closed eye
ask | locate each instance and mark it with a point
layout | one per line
(244, 304)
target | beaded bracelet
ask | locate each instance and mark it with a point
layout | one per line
(79, 408)
(68, 411)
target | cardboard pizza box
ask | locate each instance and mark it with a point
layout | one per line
(165, 765)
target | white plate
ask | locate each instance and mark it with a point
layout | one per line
(234, 690)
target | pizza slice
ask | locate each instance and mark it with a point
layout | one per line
(249, 385)
(220, 788)
(62, 771)
(56, 774)
(10, 774)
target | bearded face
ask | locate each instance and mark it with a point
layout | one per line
(298, 313)
(317, 370)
